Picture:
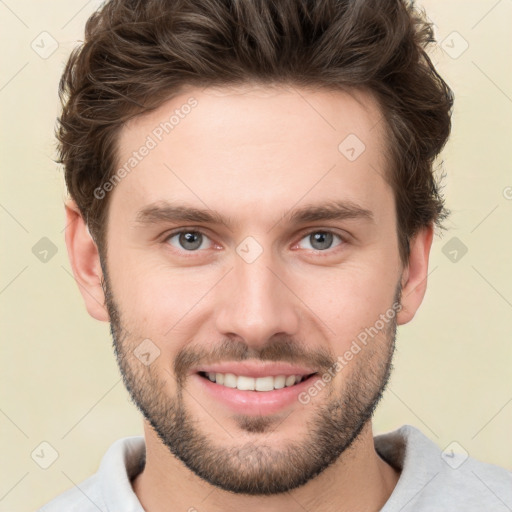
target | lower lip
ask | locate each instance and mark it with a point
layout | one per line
(255, 402)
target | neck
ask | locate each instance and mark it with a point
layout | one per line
(358, 480)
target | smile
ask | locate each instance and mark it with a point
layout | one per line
(245, 383)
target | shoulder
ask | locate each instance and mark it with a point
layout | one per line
(110, 487)
(473, 482)
(86, 497)
(435, 479)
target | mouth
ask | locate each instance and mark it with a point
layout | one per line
(259, 384)
(266, 390)
(253, 387)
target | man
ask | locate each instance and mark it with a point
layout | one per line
(252, 209)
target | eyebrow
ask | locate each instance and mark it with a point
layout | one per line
(165, 211)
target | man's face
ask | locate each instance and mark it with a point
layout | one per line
(261, 287)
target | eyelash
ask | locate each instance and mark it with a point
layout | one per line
(343, 240)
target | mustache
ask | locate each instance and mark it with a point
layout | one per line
(279, 349)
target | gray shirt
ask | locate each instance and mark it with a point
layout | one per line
(430, 480)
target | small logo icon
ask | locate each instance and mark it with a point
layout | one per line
(454, 45)
(454, 455)
(454, 250)
(249, 249)
(146, 352)
(351, 147)
(44, 45)
(44, 250)
(44, 455)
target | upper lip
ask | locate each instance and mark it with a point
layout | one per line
(254, 369)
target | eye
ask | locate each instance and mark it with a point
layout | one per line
(191, 240)
(321, 240)
(188, 240)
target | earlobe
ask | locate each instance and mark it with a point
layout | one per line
(414, 276)
(85, 262)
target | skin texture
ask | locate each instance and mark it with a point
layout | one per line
(253, 155)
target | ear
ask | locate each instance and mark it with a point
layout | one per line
(414, 276)
(85, 262)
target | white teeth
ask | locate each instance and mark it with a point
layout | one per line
(290, 380)
(230, 380)
(279, 382)
(244, 383)
(264, 384)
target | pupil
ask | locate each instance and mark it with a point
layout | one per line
(190, 240)
(324, 240)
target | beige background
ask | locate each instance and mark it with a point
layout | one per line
(59, 379)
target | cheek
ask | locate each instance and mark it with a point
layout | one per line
(155, 298)
(348, 299)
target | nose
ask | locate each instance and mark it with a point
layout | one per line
(256, 304)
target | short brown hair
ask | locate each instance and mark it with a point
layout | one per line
(139, 53)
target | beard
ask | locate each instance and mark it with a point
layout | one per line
(255, 468)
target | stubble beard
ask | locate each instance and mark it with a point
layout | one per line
(334, 422)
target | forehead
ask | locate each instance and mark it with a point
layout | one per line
(254, 147)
